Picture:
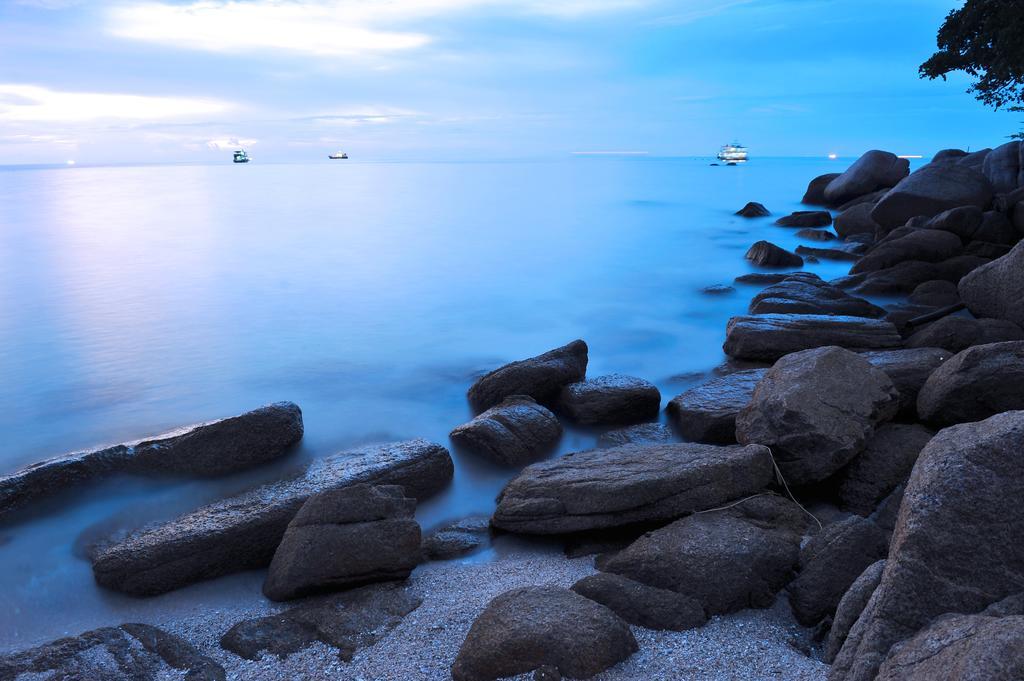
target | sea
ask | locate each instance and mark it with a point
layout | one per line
(137, 299)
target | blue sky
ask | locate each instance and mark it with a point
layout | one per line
(138, 80)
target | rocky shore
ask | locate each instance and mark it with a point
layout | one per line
(839, 501)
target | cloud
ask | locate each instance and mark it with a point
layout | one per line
(36, 104)
(226, 143)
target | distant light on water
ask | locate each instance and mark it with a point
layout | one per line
(71, 162)
(833, 157)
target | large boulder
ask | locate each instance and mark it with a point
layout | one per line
(922, 245)
(343, 538)
(956, 333)
(540, 377)
(806, 218)
(958, 545)
(815, 194)
(242, 532)
(645, 606)
(856, 220)
(816, 409)
(974, 384)
(935, 188)
(963, 221)
(726, 560)
(850, 607)
(997, 289)
(884, 464)
(629, 484)
(707, 412)
(908, 369)
(873, 170)
(531, 627)
(610, 400)
(767, 337)
(1002, 167)
(130, 652)
(207, 449)
(806, 293)
(347, 621)
(512, 433)
(767, 254)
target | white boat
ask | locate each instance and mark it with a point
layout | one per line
(338, 155)
(734, 153)
(241, 156)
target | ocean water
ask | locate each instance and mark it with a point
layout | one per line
(137, 299)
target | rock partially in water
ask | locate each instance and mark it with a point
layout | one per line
(806, 293)
(815, 194)
(874, 170)
(884, 464)
(642, 433)
(717, 290)
(457, 538)
(512, 433)
(974, 384)
(207, 449)
(642, 605)
(767, 254)
(845, 254)
(753, 210)
(770, 336)
(816, 234)
(541, 377)
(242, 532)
(707, 412)
(610, 400)
(856, 220)
(763, 277)
(532, 627)
(850, 607)
(628, 484)
(806, 218)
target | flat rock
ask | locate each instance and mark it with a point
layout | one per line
(850, 607)
(641, 433)
(532, 627)
(770, 336)
(753, 210)
(512, 433)
(874, 170)
(997, 288)
(457, 538)
(242, 532)
(806, 293)
(762, 277)
(816, 234)
(767, 254)
(816, 410)
(935, 188)
(207, 449)
(815, 194)
(707, 412)
(540, 377)
(806, 218)
(628, 484)
(347, 621)
(884, 464)
(610, 400)
(974, 384)
(642, 605)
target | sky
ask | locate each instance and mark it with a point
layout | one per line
(161, 80)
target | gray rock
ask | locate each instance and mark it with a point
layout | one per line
(767, 254)
(850, 607)
(948, 155)
(347, 621)
(343, 538)
(815, 194)
(816, 409)
(904, 277)
(856, 220)
(935, 188)
(845, 253)
(806, 218)
(528, 628)
(457, 538)
(770, 336)
(957, 544)
(935, 293)
(986, 249)
(956, 333)
(641, 433)
(816, 235)
(997, 289)
(610, 400)
(130, 652)
(884, 464)
(628, 484)
(806, 293)
(963, 221)
(996, 228)
(1002, 167)
(207, 449)
(753, 210)
(762, 277)
(642, 605)
(921, 245)
(872, 171)
(512, 433)
(717, 290)
(974, 384)
(707, 412)
(871, 198)
(540, 377)
(242, 532)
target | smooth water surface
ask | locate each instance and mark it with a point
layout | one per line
(137, 299)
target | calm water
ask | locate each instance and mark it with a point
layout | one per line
(136, 299)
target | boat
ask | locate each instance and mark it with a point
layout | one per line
(338, 155)
(241, 156)
(734, 153)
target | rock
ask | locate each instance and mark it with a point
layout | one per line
(527, 628)
(343, 538)
(850, 608)
(816, 235)
(996, 228)
(871, 198)
(842, 254)
(856, 220)
(767, 254)
(753, 210)
(956, 333)
(922, 245)
(935, 188)
(974, 384)
(540, 377)
(963, 221)
(628, 484)
(770, 336)
(347, 621)
(830, 563)
(726, 560)
(207, 449)
(641, 433)
(717, 290)
(872, 171)
(806, 293)
(242, 532)
(642, 605)
(610, 400)
(884, 464)
(512, 433)
(815, 194)
(130, 652)
(949, 155)
(458, 538)
(547, 673)
(936, 293)
(806, 218)
(957, 544)
(974, 160)
(906, 276)
(1002, 167)
(997, 289)
(707, 412)
(763, 277)
(986, 249)
(816, 409)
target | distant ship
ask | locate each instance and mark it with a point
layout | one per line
(338, 155)
(734, 153)
(241, 156)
